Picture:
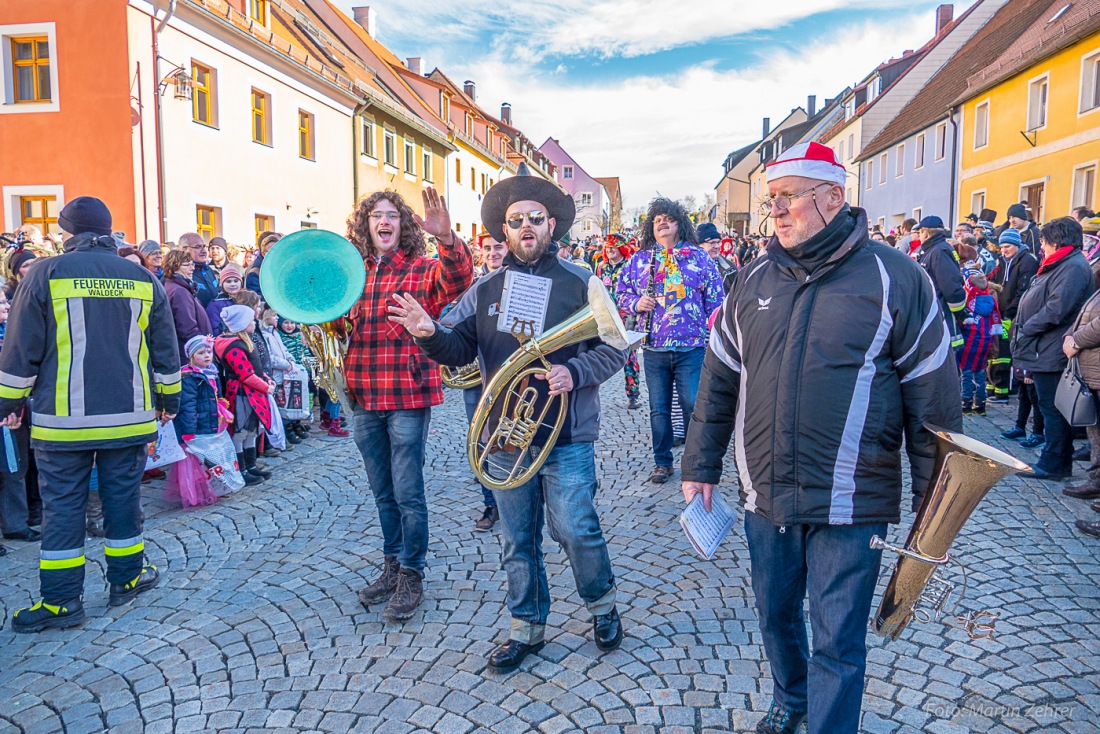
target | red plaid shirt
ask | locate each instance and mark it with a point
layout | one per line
(384, 368)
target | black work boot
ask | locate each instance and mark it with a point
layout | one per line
(407, 596)
(122, 593)
(43, 616)
(250, 464)
(249, 477)
(381, 589)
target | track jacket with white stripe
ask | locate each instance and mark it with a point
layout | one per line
(820, 377)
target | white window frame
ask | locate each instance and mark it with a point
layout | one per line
(1022, 195)
(883, 167)
(920, 150)
(977, 118)
(586, 198)
(1090, 83)
(567, 172)
(917, 212)
(974, 203)
(851, 146)
(882, 224)
(869, 174)
(940, 151)
(409, 149)
(13, 214)
(426, 163)
(1073, 200)
(1044, 80)
(899, 162)
(7, 79)
(840, 151)
(389, 135)
(368, 130)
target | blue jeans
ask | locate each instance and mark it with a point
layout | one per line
(1057, 455)
(392, 445)
(973, 387)
(835, 564)
(562, 494)
(663, 371)
(470, 398)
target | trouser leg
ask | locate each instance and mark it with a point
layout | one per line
(64, 478)
(119, 472)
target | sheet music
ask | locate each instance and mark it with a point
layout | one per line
(706, 530)
(525, 299)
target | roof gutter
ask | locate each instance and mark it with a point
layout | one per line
(954, 159)
(355, 152)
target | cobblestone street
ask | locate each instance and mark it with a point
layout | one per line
(256, 626)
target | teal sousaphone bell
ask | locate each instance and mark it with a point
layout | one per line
(314, 277)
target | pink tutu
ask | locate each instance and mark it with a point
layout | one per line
(187, 484)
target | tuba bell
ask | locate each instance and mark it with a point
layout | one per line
(315, 277)
(461, 378)
(965, 470)
(504, 457)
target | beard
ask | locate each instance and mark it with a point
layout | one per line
(525, 251)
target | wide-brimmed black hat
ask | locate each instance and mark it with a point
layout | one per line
(525, 187)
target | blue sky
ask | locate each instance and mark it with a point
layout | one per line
(653, 91)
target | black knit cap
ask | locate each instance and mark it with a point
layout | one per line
(85, 214)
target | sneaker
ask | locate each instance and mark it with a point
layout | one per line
(122, 593)
(292, 437)
(779, 720)
(634, 404)
(998, 399)
(335, 431)
(382, 587)
(43, 616)
(1015, 433)
(488, 520)
(271, 452)
(407, 596)
(661, 474)
(1034, 440)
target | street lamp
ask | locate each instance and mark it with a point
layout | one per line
(181, 83)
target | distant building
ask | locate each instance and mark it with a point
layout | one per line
(615, 202)
(590, 196)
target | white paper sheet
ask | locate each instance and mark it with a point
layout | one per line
(524, 299)
(706, 530)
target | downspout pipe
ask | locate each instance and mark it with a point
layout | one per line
(161, 193)
(954, 160)
(355, 152)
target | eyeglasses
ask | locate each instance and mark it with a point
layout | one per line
(388, 216)
(536, 218)
(783, 202)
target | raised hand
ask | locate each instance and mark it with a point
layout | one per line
(436, 220)
(410, 314)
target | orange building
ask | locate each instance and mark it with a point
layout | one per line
(66, 113)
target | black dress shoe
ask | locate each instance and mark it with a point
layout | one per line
(508, 656)
(1087, 491)
(28, 535)
(1038, 473)
(607, 629)
(1095, 505)
(1091, 529)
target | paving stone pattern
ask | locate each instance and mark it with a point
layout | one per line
(257, 627)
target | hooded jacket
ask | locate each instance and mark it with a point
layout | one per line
(1046, 312)
(1015, 278)
(475, 334)
(821, 376)
(939, 261)
(91, 340)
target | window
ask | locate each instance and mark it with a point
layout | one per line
(458, 171)
(469, 124)
(977, 201)
(882, 223)
(1084, 186)
(389, 148)
(484, 183)
(368, 139)
(586, 199)
(410, 156)
(202, 94)
(444, 107)
(874, 88)
(918, 214)
(30, 59)
(426, 163)
(941, 141)
(1090, 82)
(840, 151)
(883, 162)
(207, 221)
(981, 125)
(899, 162)
(848, 197)
(473, 177)
(306, 136)
(567, 172)
(41, 211)
(307, 225)
(868, 174)
(257, 11)
(263, 223)
(851, 146)
(850, 109)
(261, 117)
(918, 153)
(1037, 103)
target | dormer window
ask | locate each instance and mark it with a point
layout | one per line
(874, 89)
(850, 109)
(444, 107)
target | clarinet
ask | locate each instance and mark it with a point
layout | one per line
(649, 291)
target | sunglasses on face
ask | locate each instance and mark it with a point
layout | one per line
(536, 218)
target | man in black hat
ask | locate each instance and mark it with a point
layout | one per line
(92, 342)
(537, 214)
(1019, 218)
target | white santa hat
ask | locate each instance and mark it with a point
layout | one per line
(808, 160)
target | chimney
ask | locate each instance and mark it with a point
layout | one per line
(470, 89)
(944, 15)
(506, 113)
(811, 105)
(367, 18)
(767, 126)
(415, 65)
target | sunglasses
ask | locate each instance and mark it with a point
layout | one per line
(535, 218)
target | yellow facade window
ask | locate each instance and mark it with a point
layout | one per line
(264, 223)
(261, 103)
(202, 93)
(305, 135)
(41, 211)
(257, 11)
(30, 58)
(206, 221)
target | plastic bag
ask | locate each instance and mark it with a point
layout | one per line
(276, 434)
(219, 461)
(166, 449)
(187, 484)
(292, 396)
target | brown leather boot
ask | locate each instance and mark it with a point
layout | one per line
(406, 597)
(382, 587)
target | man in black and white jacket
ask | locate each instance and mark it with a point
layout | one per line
(829, 352)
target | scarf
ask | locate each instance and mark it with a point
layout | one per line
(1060, 254)
(816, 251)
(669, 272)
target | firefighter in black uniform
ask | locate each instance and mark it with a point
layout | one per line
(92, 344)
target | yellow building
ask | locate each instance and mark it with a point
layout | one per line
(1031, 119)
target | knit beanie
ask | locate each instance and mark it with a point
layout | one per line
(148, 247)
(196, 343)
(18, 259)
(237, 318)
(1010, 236)
(1018, 210)
(85, 214)
(231, 270)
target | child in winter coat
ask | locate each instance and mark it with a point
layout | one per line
(980, 330)
(246, 385)
(198, 414)
(282, 363)
(291, 336)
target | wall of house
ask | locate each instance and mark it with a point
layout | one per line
(376, 174)
(589, 221)
(470, 175)
(927, 189)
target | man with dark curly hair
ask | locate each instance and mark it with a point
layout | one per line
(391, 384)
(674, 286)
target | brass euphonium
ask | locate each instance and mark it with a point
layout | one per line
(461, 378)
(504, 457)
(965, 470)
